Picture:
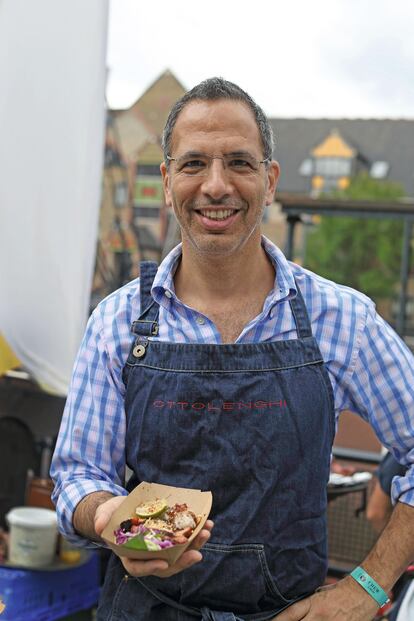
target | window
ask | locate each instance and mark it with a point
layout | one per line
(112, 157)
(145, 212)
(306, 168)
(333, 166)
(152, 170)
(379, 170)
(120, 194)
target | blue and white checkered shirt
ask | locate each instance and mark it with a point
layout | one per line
(371, 370)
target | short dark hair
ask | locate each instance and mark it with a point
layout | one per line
(213, 89)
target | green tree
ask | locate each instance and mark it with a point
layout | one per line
(363, 253)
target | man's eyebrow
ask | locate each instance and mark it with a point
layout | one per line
(192, 154)
(240, 153)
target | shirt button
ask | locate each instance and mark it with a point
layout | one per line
(168, 294)
(200, 320)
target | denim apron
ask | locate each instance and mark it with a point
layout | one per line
(253, 423)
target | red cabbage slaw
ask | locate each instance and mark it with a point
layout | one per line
(153, 538)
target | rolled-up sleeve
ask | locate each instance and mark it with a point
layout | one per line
(90, 449)
(381, 389)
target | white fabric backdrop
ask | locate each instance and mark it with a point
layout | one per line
(52, 116)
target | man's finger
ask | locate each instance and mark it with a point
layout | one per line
(203, 535)
(209, 525)
(296, 612)
(192, 555)
(186, 560)
(144, 568)
(159, 567)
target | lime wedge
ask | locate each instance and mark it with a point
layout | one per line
(151, 508)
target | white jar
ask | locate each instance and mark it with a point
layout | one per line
(33, 536)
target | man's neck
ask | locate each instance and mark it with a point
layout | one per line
(209, 280)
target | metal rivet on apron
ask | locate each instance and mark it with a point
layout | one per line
(138, 351)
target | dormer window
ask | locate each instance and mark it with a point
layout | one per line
(333, 161)
(379, 170)
(333, 167)
(306, 168)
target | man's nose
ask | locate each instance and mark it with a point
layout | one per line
(216, 182)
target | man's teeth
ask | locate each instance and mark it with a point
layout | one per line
(218, 214)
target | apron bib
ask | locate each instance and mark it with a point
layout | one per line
(253, 423)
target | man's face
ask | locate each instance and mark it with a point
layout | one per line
(218, 205)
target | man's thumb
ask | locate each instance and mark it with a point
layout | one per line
(104, 513)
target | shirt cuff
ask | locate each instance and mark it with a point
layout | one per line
(68, 500)
(402, 489)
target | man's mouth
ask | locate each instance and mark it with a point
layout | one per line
(217, 214)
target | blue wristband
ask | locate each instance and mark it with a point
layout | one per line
(370, 586)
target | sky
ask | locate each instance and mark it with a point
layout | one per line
(296, 58)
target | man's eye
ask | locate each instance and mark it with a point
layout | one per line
(240, 164)
(192, 165)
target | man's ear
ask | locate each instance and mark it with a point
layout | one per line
(166, 184)
(273, 172)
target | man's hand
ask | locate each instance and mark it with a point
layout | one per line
(343, 601)
(159, 567)
(104, 512)
(347, 600)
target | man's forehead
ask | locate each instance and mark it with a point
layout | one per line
(218, 118)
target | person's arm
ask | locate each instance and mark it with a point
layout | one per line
(379, 508)
(347, 600)
(380, 387)
(89, 460)
(84, 517)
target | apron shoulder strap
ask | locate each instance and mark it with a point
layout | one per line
(148, 269)
(147, 323)
(300, 314)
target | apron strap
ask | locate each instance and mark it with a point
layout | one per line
(300, 314)
(147, 271)
(215, 615)
(218, 615)
(168, 600)
(147, 324)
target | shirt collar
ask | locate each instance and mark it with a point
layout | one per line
(285, 285)
(163, 290)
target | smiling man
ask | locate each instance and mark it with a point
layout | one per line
(218, 197)
(218, 181)
(225, 369)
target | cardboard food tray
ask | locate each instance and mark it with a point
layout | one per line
(199, 502)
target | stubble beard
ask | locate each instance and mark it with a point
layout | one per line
(211, 243)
